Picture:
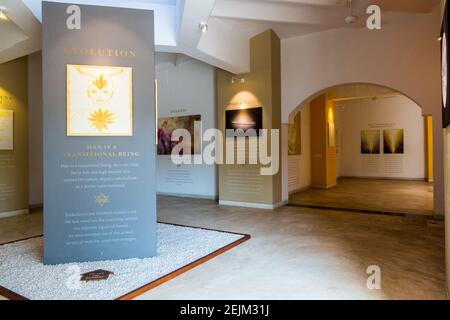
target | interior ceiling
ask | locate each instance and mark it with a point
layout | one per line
(292, 18)
(176, 23)
(10, 35)
(20, 34)
(417, 6)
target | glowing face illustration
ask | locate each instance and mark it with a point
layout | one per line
(99, 101)
(101, 89)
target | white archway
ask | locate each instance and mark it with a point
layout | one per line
(438, 147)
(404, 55)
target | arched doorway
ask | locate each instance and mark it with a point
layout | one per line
(361, 147)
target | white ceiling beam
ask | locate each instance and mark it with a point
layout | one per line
(195, 12)
(331, 3)
(285, 12)
(191, 37)
(24, 19)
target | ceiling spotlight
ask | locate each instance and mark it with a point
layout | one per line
(351, 18)
(3, 13)
(203, 26)
(241, 79)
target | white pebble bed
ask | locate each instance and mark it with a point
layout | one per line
(22, 270)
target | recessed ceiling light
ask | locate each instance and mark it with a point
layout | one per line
(3, 14)
(203, 26)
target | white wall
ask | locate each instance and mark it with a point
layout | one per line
(35, 129)
(299, 166)
(186, 87)
(404, 56)
(396, 112)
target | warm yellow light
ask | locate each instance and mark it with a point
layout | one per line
(3, 14)
(244, 100)
(330, 115)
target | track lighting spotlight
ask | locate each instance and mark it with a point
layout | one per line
(203, 26)
(3, 13)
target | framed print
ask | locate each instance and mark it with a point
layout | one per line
(166, 126)
(394, 141)
(331, 135)
(99, 101)
(244, 119)
(6, 130)
(370, 142)
(295, 136)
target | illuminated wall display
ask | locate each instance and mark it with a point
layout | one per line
(394, 141)
(244, 100)
(244, 119)
(6, 130)
(331, 129)
(166, 127)
(331, 135)
(370, 142)
(295, 136)
(14, 123)
(99, 101)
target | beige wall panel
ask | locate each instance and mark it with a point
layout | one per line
(14, 163)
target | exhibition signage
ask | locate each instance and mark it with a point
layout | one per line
(6, 130)
(99, 133)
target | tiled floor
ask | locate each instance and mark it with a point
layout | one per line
(394, 196)
(297, 253)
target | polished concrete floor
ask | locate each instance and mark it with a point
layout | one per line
(392, 196)
(297, 253)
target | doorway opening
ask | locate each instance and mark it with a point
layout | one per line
(361, 147)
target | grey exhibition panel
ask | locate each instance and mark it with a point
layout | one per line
(99, 190)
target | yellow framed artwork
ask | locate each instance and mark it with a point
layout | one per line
(99, 101)
(6, 130)
(394, 141)
(331, 135)
(295, 136)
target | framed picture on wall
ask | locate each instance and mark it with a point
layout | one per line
(244, 119)
(99, 101)
(393, 140)
(6, 130)
(166, 127)
(295, 136)
(331, 135)
(370, 142)
(444, 70)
